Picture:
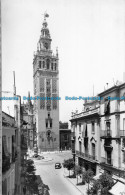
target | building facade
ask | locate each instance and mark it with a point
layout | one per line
(65, 139)
(46, 85)
(64, 136)
(85, 136)
(112, 131)
(98, 133)
(27, 116)
(9, 154)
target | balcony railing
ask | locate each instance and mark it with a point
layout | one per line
(107, 161)
(86, 156)
(105, 133)
(122, 133)
(72, 135)
(82, 114)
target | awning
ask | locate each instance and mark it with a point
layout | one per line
(118, 189)
(97, 176)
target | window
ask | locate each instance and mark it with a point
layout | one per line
(48, 115)
(86, 132)
(109, 160)
(46, 124)
(47, 63)
(48, 89)
(52, 66)
(108, 128)
(54, 139)
(42, 139)
(48, 82)
(79, 127)
(93, 150)
(107, 106)
(55, 66)
(93, 127)
(50, 125)
(43, 64)
(39, 64)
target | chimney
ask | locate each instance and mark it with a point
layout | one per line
(124, 77)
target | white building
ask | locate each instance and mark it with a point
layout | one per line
(85, 139)
(98, 133)
(112, 130)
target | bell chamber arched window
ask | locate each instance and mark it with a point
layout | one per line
(47, 63)
(43, 64)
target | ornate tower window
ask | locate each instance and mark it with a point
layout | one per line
(39, 64)
(55, 66)
(48, 63)
(43, 64)
(52, 66)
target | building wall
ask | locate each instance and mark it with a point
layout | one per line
(8, 180)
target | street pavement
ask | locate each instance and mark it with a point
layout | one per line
(55, 178)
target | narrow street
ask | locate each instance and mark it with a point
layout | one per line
(54, 178)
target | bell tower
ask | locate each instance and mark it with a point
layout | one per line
(46, 90)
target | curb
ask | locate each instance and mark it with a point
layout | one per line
(73, 184)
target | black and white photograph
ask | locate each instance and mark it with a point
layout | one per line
(62, 97)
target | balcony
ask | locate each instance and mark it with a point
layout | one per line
(86, 156)
(106, 161)
(73, 150)
(85, 114)
(72, 136)
(108, 148)
(105, 134)
(122, 133)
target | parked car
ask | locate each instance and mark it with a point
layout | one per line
(58, 165)
(38, 156)
(35, 155)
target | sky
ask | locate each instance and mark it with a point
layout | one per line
(89, 34)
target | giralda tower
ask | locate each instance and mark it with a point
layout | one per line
(46, 84)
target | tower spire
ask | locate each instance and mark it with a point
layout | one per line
(46, 15)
